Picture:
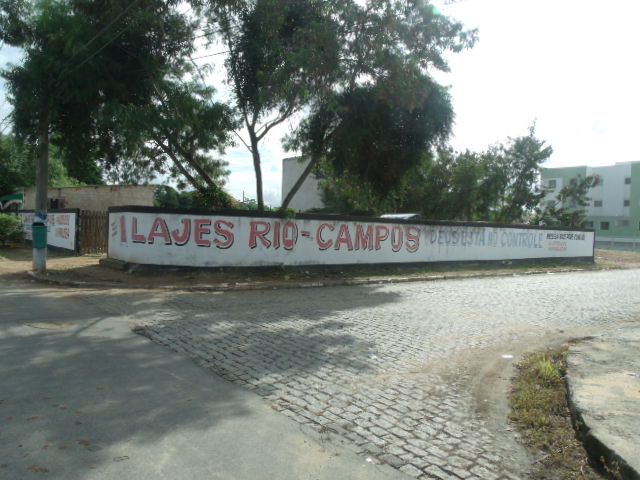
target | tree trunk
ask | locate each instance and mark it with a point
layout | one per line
(178, 163)
(296, 186)
(255, 153)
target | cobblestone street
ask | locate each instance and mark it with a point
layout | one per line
(392, 368)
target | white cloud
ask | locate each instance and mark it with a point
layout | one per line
(568, 64)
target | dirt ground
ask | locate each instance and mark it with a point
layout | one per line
(15, 262)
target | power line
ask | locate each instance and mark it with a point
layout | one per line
(90, 57)
(106, 27)
(211, 55)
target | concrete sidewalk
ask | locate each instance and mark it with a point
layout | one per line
(85, 398)
(604, 394)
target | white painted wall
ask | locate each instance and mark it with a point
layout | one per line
(227, 240)
(612, 191)
(61, 229)
(308, 196)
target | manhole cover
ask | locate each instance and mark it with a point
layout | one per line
(50, 325)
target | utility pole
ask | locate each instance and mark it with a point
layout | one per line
(42, 188)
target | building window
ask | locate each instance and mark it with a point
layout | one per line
(587, 224)
(627, 181)
(551, 184)
(622, 223)
(627, 203)
(604, 225)
(597, 203)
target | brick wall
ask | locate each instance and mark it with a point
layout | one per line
(98, 197)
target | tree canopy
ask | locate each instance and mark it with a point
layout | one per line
(326, 61)
(18, 166)
(109, 81)
(568, 208)
(497, 185)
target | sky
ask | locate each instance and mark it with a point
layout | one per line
(570, 66)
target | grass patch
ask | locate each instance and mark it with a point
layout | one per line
(540, 412)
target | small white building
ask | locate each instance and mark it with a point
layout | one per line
(309, 195)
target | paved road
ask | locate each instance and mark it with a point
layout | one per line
(93, 401)
(413, 375)
(409, 375)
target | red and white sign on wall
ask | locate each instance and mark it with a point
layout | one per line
(151, 236)
(61, 228)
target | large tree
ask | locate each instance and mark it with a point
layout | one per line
(375, 133)
(568, 208)
(322, 58)
(106, 78)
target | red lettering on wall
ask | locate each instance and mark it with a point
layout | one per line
(159, 229)
(201, 226)
(413, 239)
(323, 244)
(396, 238)
(257, 232)
(382, 233)
(135, 236)
(182, 238)
(364, 240)
(289, 235)
(343, 238)
(276, 235)
(123, 229)
(226, 233)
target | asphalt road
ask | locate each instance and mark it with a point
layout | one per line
(83, 397)
(413, 376)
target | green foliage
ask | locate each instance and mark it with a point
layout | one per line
(281, 52)
(549, 370)
(249, 204)
(10, 229)
(523, 157)
(212, 197)
(361, 68)
(568, 209)
(176, 135)
(18, 166)
(495, 185)
(15, 159)
(379, 132)
(540, 412)
(88, 61)
(165, 196)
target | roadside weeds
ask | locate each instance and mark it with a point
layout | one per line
(540, 412)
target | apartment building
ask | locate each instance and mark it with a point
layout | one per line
(614, 209)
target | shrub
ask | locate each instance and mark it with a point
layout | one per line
(10, 229)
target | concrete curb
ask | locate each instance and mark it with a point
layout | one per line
(290, 285)
(596, 436)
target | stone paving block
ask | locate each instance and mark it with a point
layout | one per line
(484, 473)
(411, 471)
(392, 460)
(438, 473)
(316, 347)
